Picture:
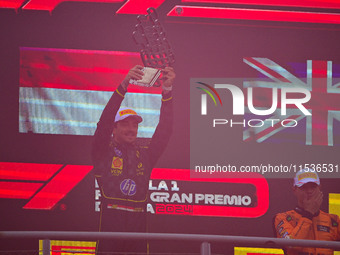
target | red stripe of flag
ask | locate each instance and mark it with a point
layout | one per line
(267, 69)
(319, 95)
(78, 69)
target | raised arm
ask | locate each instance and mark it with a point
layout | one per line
(103, 133)
(163, 131)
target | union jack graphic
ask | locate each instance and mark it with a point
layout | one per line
(324, 105)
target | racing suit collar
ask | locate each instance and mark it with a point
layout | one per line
(123, 146)
(306, 214)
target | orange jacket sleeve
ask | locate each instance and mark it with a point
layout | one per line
(291, 226)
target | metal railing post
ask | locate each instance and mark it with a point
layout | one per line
(205, 248)
(46, 247)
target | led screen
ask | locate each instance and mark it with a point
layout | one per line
(64, 91)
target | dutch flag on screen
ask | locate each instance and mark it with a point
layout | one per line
(64, 91)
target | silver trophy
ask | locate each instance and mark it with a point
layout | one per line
(155, 49)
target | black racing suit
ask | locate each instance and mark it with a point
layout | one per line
(123, 172)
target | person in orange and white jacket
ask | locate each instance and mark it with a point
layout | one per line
(307, 221)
